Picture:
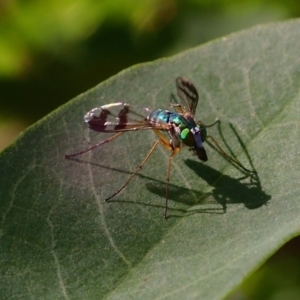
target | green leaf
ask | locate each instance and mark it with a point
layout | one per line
(59, 239)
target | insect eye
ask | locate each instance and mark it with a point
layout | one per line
(184, 133)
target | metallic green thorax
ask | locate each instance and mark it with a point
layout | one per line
(191, 133)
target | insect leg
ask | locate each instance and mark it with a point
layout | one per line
(177, 107)
(164, 141)
(228, 156)
(95, 146)
(135, 172)
(212, 124)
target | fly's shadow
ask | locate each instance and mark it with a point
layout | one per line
(246, 189)
(228, 190)
(224, 189)
(183, 196)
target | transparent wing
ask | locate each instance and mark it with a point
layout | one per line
(188, 95)
(120, 117)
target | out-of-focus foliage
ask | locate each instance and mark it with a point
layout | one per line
(278, 278)
(29, 28)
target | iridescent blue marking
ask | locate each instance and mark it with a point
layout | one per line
(165, 116)
(188, 131)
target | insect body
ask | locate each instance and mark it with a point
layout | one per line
(182, 130)
(180, 126)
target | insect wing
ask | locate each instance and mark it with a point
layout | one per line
(119, 117)
(188, 94)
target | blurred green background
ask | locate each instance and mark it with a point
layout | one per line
(50, 51)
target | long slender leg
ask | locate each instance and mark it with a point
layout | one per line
(95, 146)
(135, 172)
(177, 107)
(228, 156)
(164, 141)
(212, 124)
(173, 103)
(175, 151)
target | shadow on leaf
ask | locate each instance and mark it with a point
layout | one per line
(226, 190)
(246, 190)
